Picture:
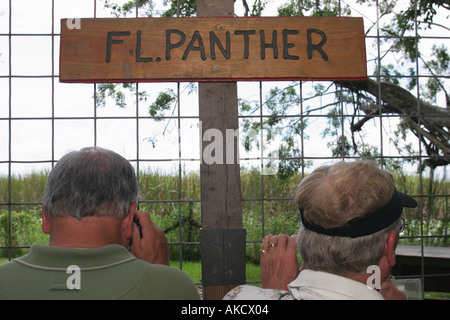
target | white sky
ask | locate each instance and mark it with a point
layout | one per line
(32, 97)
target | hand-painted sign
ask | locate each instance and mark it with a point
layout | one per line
(212, 49)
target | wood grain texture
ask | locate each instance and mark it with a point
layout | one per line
(212, 49)
(220, 183)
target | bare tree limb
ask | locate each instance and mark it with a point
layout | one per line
(429, 123)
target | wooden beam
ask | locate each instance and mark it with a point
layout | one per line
(220, 182)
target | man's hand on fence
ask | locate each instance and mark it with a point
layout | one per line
(279, 264)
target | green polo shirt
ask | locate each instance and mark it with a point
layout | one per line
(109, 272)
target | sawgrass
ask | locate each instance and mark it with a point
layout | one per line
(267, 206)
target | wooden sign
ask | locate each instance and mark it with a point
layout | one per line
(212, 49)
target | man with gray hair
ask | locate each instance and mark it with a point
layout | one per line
(351, 219)
(100, 246)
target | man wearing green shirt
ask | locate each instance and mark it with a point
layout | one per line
(97, 250)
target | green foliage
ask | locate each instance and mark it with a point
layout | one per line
(276, 129)
(28, 188)
(398, 33)
(25, 230)
(187, 8)
(439, 66)
(117, 92)
(256, 8)
(185, 217)
(145, 6)
(314, 8)
(162, 103)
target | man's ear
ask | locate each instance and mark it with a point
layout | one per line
(127, 222)
(389, 247)
(45, 222)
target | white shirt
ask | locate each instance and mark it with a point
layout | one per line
(310, 285)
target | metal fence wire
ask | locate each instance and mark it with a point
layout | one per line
(286, 128)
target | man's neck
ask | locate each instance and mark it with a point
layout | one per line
(89, 232)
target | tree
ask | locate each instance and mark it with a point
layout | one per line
(386, 95)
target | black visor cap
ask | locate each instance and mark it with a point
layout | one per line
(370, 223)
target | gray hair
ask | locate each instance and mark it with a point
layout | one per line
(340, 255)
(91, 182)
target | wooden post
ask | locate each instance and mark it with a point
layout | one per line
(220, 183)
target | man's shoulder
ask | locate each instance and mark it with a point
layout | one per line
(6, 265)
(166, 282)
(8, 268)
(164, 272)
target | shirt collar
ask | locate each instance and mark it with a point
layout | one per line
(330, 286)
(58, 257)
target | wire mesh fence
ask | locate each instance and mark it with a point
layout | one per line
(286, 128)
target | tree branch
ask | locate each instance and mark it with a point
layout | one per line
(426, 121)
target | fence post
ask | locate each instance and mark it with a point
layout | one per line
(222, 237)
